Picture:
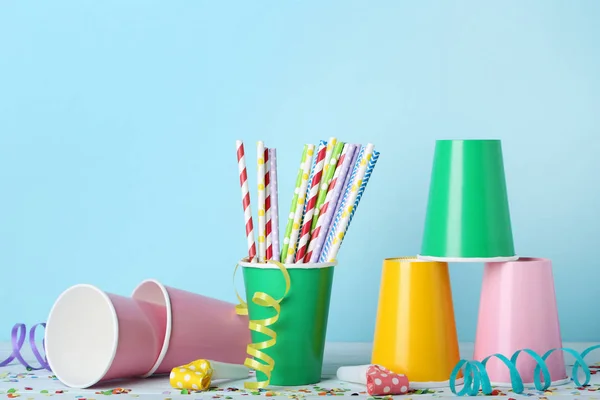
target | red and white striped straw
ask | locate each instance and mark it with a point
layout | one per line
(313, 244)
(246, 200)
(313, 194)
(269, 252)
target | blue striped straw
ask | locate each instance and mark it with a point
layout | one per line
(363, 186)
(338, 215)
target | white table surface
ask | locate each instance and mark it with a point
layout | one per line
(17, 382)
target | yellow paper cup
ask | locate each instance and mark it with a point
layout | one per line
(415, 332)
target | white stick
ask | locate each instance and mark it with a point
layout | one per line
(229, 371)
(353, 374)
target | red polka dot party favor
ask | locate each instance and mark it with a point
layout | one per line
(379, 380)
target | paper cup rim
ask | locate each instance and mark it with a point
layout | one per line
(467, 259)
(558, 382)
(115, 345)
(244, 263)
(167, 341)
(408, 259)
(468, 140)
(434, 384)
(526, 259)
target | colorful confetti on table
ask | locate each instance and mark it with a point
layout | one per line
(18, 383)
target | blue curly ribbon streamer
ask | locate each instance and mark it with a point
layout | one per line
(476, 378)
(18, 336)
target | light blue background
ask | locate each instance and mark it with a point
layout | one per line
(118, 121)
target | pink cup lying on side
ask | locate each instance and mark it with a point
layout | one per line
(93, 336)
(517, 310)
(197, 327)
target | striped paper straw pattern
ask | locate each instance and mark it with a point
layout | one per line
(307, 156)
(363, 186)
(343, 216)
(260, 154)
(321, 145)
(341, 203)
(274, 203)
(241, 157)
(327, 210)
(269, 251)
(298, 214)
(311, 203)
(354, 164)
(326, 181)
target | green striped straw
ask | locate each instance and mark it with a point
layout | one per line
(306, 157)
(325, 181)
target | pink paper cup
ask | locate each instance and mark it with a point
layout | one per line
(197, 327)
(517, 310)
(93, 336)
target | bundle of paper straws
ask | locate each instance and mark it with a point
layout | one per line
(329, 187)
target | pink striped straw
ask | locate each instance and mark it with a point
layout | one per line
(310, 207)
(333, 192)
(269, 253)
(246, 200)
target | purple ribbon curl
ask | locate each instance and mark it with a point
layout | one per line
(18, 336)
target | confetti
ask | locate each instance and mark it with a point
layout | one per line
(22, 385)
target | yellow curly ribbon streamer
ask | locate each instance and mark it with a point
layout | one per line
(254, 350)
(196, 375)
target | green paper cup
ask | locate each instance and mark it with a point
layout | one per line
(468, 217)
(301, 325)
